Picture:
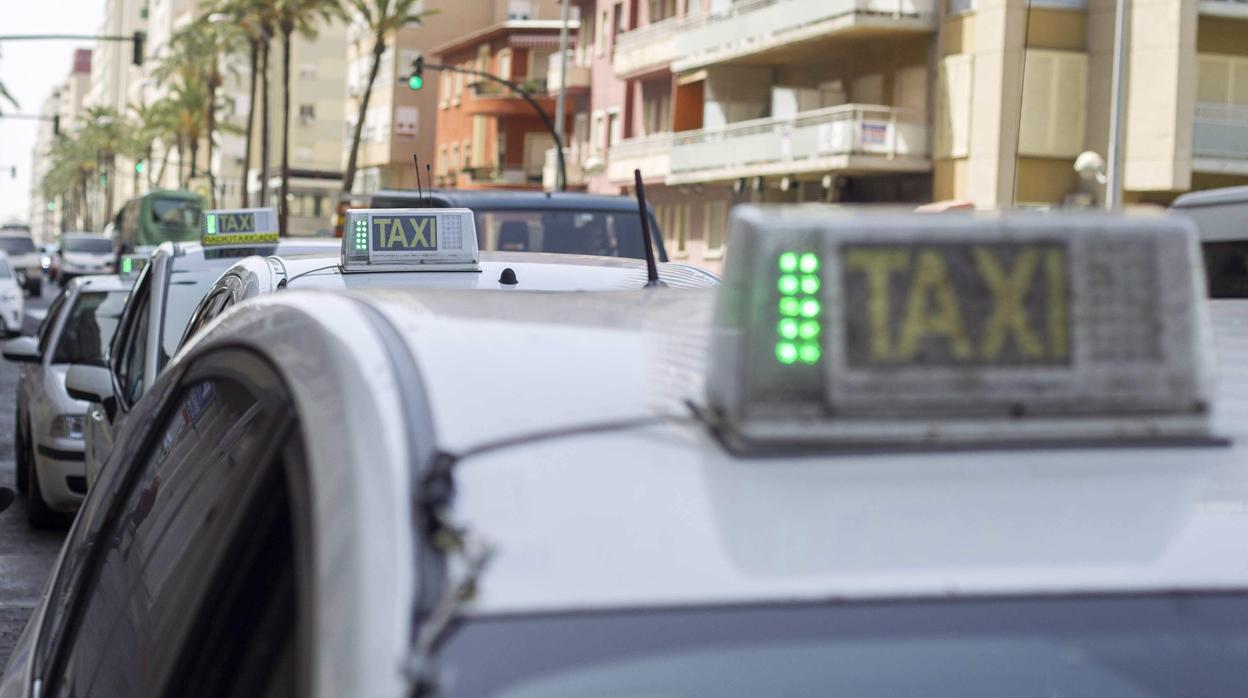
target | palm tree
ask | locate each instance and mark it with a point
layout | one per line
(253, 18)
(71, 164)
(155, 123)
(302, 16)
(109, 135)
(383, 18)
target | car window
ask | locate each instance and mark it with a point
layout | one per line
(209, 308)
(89, 327)
(179, 212)
(49, 320)
(93, 245)
(6, 272)
(17, 245)
(602, 233)
(135, 357)
(1226, 267)
(186, 290)
(201, 545)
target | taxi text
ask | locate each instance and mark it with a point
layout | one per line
(405, 232)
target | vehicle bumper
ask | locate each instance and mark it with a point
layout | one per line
(61, 470)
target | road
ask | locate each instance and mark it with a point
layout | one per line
(26, 556)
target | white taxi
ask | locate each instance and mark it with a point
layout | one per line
(926, 457)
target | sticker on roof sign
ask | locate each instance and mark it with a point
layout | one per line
(239, 227)
(410, 239)
(892, 328)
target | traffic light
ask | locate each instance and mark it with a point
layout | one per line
(137, 58)
(139, 167)
(417, 79)
(56, 124)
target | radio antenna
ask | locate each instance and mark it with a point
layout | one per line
(420, 197)
(429, 179)
(652, 267)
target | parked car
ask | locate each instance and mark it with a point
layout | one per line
(12, 302)
(24, 257)
(81, 254)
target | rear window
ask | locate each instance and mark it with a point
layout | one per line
(90, 326)
(176, 212)
(602, 233)
(100, 245)
(1226, 268)
(17, 245)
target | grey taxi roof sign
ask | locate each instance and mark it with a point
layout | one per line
(875, 328)
(410, 239)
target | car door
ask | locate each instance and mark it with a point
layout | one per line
(189, 582)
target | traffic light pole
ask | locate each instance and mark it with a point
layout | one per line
(136, 39)
(562, 184)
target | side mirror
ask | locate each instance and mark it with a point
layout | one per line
(6, 498)
(22, 350)
(89, 383)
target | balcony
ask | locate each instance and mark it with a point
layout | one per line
(493, 99)
(1236, 9)
(649, 48)
(571, 161)
(1220, 139)
(756, 29)
(578, 75)
(851, 137)
(650, 154)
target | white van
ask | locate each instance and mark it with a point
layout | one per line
(1221, 215)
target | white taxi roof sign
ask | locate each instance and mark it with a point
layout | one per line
(902, 329)
(410, 239)
(239, 227)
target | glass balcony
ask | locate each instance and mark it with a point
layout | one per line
(650, 154)
(649, 48)
(1220, 138)
(756, 27)
(853, 137)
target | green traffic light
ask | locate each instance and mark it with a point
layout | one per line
(140, 166)
(415, 82)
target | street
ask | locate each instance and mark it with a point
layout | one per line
(26, 556)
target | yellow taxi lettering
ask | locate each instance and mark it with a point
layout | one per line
(1055, 273)
(932, 310)
(419, 237)
(1008, 290)
(878, 264)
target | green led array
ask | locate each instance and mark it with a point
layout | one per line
(799, 326)
(210, 224)
(361, 235)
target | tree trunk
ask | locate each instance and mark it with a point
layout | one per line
(251, 118)
(284, 216)
(194, 143)
(181, 163)
(160, 176)
(85, 208)
(266, 122)
(348, 177)
(212, 126)
(108, 189)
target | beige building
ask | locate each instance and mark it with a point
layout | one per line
(112, 74)
(66, 102)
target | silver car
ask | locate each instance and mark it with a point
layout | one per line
(81, 254)
(48, 431)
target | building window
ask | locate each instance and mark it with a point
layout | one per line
(307, 71)
(957, 7)
(444, 91)
(479, 129)
(453, 159)
(604, 21)
(617, 26)
(442, 166)
(459, 89)
(716, 232)
(307, 113)
(467, 154)
(504, 64)
(597, 134)
(520, 9)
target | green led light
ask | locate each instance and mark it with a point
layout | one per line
(810, 285)
(811, 308)
(790, 307)
(809, 263)
(809, 329)
(788, 328)
(787, 284)
(210, 224)
(808, 353)
(127, 265)
(786, 352)
(788, 262)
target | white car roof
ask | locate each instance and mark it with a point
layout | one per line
(103, 282)
(655, 511)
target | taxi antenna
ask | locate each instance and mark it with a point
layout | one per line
(420, 195)
(652, 267)
(429, 181)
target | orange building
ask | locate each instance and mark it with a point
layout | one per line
(488, 137)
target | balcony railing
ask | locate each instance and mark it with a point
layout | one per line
(885, 138)
(571, 161)
(1225, 8)
(578, 75)
(650, 47)
(650, 154)
(756, 26)
(1221, 131)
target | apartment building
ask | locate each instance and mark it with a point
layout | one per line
(67, 101)
(112, 74)
(401, 122)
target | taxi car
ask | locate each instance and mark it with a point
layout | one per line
(24, 257)
(48, 429)
(81, 254)
(889, 457)
(441, 266)
(165, 293)
(12, 300)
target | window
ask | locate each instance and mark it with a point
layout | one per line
(504, 64)
(467, 154)
(6, 272)
(483, 58)
(600, 44)
(716, 229)
(453, 158)
(520, 9)
(1055, 87)
(662, 9)
(480, 129)
(598, 137)
(49, 320)
(194, 594)
(17, 245)
(617, 26)
(458, 93)
(607, 234)
(307, 71)
(443, 165)
(89, 327)
(208, 309)
(135, 357)
(444, 91)
(307, 113)
(953, 106)
(93, 245)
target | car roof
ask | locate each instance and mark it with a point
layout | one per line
(1212, 197)
(510, 200)
(534, 271)
(688, 522)
(103, 282)
(192, 256)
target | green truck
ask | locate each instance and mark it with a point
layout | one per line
(161, 215)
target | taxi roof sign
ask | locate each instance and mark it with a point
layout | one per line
(410, 239)
(869, 329)
(239, 227)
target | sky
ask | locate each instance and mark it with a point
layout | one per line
(30, 69)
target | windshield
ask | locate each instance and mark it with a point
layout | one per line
(94, 245)
(186, 290)
(176, 212)
(17, 245)
(1226, 266)
(603, 233)
(5, 271)
(89, 327)
(1136, 647)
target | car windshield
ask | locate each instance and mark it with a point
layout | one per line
(177, 212)
(17, 245)
(1108, 647)
(6, 272)
(186, 290)
(94, 245)
(1226, 268)
(604, 233)
(89, 327)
